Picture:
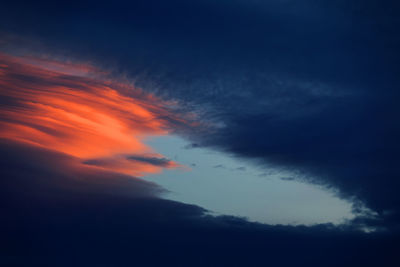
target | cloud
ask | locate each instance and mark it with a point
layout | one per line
(190, 146)
(30, 171)
(133, 164)
(287, 178)
(311, 88)
(219, 166)
(296, 87)
(60, 212)
(164, 162)
(62, 108)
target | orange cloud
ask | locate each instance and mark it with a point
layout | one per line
(62, 107)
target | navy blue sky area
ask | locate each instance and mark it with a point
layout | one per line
(306, 86)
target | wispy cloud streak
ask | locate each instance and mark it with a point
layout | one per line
(63, 107)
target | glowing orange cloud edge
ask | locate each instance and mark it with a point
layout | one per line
(65, 110)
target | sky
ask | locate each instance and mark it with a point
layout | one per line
(199, 133)
(228, 186)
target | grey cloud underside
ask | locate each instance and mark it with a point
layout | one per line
(159, 162)
(308, 87)
(33, 172)
(163, 162)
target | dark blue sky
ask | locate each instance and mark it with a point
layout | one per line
(307, 87)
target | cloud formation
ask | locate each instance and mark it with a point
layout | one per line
(309, 86)
(61, 108)
(61, 215)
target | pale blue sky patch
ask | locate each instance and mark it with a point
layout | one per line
(229, 186)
